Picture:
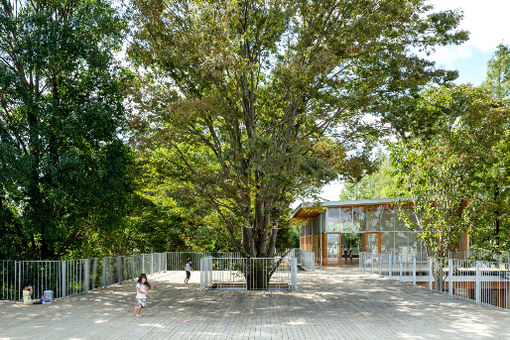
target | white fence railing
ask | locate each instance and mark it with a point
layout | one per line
(236, 273)
(176, 260)
(73, 277)
(485, 282)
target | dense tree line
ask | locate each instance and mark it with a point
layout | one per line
(220, 114)
(456, 171)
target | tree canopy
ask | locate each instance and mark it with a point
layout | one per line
(498, 73)
(63, 165)
(257, 102)
(454, 173)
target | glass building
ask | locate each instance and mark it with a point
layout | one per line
(333, 230)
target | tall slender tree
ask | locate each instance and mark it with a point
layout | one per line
(498, 73)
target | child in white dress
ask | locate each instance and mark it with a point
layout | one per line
(142, 290)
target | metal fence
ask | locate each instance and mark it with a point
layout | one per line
(495, 256)
(485, 282)
(177, 260)
(236, 273)
(73, 277)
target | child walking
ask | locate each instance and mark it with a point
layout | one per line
(187, 268)
(142, 290)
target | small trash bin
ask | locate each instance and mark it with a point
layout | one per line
(48, 296)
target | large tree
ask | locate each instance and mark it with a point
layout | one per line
(63, 166)
(259, 101)
(452, 170)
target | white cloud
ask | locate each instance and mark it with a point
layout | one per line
(487, 21)
(448, 56)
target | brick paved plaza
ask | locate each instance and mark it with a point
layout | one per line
(330, 304)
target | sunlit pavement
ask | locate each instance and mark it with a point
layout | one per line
(329, 304)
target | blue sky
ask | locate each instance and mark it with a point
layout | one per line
(487, 22)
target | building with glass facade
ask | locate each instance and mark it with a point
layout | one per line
(333, 230)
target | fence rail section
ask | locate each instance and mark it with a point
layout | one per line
(485, 282)
(73, 277)
(236, 273)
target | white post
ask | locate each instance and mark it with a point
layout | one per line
(414, 270)
(152, 262)
(450, 277)
(86, 275)
(105, 260)
(143, 263)
(133, 266)
(119, 269)
(64, 288)
(294, 272)
(15, 279)
(202, 274)
(371, 263)
(400, 264)
(94, 271)
(390, 260)
(431, 274)
(478, 283)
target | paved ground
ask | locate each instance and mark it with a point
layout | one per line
(330, 304)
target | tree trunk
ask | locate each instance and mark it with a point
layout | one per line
(272, 241)
(257, 275)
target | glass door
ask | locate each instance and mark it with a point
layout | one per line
(373, 242)
(333, 248)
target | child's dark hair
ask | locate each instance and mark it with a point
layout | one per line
(189, 259)
(26, 284)
(142, 275)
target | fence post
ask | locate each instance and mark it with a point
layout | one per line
(431, 274)
(390, 260)
(414, 270)
(119, 269)
(294, 272)
(86, 275)
(380, 264)
(478, 285)
(202, 274)
(133, 266)
(15, 279)
(64, 288)
(400, 264)
(143, 263)
(371, 263)
(450, 277)
(152, 263)
(104, 271)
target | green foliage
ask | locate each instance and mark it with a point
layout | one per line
(258, 102)
(63, 167)
(379, 184)
(455, 172)
(498, 73)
